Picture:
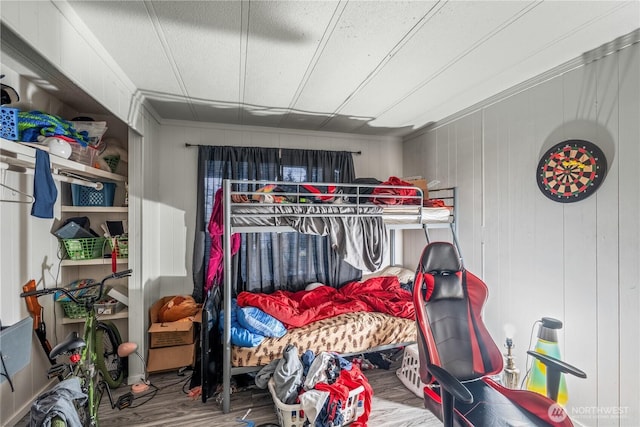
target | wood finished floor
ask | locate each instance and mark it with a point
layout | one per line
(393, 406)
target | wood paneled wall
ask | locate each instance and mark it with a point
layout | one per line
(578, 262)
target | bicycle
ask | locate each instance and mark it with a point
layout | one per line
(93, 360)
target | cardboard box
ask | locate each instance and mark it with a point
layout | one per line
(169, 334)
(170, 358)
(420, 183)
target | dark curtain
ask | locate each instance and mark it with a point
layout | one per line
(271, 261)
(214, 164)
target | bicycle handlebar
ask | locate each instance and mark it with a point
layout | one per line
(69, 293)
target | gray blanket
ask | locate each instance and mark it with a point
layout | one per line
(58, 402)
(361, 241)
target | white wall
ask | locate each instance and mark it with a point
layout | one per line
(176, 175)
(578, 262)
(27, 251)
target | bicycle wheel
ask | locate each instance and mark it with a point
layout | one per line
(107, 359)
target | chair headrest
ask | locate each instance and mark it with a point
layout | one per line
(440, 257)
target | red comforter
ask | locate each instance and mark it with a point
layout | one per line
(295, 309)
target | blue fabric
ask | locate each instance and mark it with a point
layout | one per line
(45, 192)
(307, 359)
(259, 322)
(240, 336)
(344, 363)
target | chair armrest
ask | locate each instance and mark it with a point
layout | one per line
(555, 366)
(450, 383)
(450, 390)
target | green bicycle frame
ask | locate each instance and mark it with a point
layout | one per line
(87, 367)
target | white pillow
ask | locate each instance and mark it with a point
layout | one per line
(404, 275)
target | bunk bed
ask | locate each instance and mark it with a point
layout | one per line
(317, 208)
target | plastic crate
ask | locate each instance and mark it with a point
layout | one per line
(72, 309)
(78, 249)
(293, 416)
(122, 248)
(408, 372)
(9, 119)
(88, 196)
(112, 162)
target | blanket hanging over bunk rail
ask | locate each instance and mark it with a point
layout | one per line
(216, 231)
(295, 309)
(360, 241)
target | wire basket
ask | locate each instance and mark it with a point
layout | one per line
(122, 246)
(112, 162)
(79, 249)
(72, 309)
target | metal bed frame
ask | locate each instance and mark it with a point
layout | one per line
(412, 219)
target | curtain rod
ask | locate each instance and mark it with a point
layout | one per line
(203, 145)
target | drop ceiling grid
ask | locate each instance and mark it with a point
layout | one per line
(439, 44)
(276, 68)
(204, 42)
(365, 34)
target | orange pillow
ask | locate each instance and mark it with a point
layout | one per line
(177, 308)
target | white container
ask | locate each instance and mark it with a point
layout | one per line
(292, 416)
(408, 372)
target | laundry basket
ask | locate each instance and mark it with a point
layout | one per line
(408, 372)
(293, 416)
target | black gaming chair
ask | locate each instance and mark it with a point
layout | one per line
(457, 354)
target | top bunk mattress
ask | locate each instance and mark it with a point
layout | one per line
(290, 204)
(258, 214)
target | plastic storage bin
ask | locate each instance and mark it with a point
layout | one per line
(408, 372)
(87, 196)
(292, 415)
(85, 155)
(107, 307)
(9, 120)
(91, 248)
(122, 246)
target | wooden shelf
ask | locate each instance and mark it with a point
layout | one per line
(97, 261)
(24, 155)
(124, 314)
(95, 209)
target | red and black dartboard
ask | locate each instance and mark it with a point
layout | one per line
(571, 171)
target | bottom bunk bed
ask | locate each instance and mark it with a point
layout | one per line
(371, 315)
(349, 333)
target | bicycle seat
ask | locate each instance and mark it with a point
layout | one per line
(70, 343)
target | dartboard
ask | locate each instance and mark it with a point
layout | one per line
(571, 170)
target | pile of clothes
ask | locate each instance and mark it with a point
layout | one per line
(319, 384)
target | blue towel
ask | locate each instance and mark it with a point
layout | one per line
(45, 192)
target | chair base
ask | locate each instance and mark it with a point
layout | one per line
(491, 408)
